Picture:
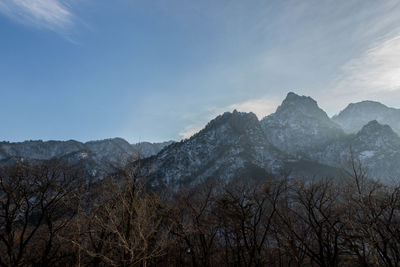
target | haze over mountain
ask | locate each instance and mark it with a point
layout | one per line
(356, 115)
(299, 139)
(376, 146)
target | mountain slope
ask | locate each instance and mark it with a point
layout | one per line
(375, 146)
(232, 145)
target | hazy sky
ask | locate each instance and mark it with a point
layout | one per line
(160, 69)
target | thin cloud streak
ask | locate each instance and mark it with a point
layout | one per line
(54, 15)
(375, 74)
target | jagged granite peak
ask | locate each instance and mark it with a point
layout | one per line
(300, 106)
(303, 104)
(231, 145)
(298, 125)
(356, 115)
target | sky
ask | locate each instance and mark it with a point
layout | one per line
(161, 69)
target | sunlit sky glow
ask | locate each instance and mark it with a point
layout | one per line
(160, 70)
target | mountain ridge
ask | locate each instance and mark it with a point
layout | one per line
(299, 139)
(99, 156)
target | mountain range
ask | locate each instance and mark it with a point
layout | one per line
(97, 158)
(299, 139)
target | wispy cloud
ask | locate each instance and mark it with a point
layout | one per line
(190, 130)
(261, 107)
(54, 15)
(378, 69)
(375, 74)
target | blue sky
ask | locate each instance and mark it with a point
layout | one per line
(159, 70)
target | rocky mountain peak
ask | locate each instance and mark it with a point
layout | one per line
(375, 129)
(376, 146)
(240, 121)
(299, 124)
(296, 105)
(292, 97)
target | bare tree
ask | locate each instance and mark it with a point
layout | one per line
(373, 218)
(312, 221)
(247, 214)
(36, 206)
(195, 225)
(125, 224)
